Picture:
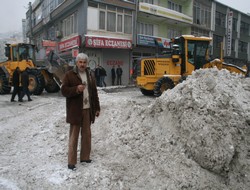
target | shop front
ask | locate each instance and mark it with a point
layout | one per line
(108, 52)
(68, 49)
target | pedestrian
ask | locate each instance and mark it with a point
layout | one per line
(97, 75)
(16, 85)
(119, 75)
(82, 106)
(25, 85)
(103, 74)
(113, 75)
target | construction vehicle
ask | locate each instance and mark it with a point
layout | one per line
(22, 55)
(154, 75)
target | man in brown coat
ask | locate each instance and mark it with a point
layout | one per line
(82, 106)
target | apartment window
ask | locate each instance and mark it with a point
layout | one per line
(172, 33)
(115, 19)
(244, 28)
(220, 19)
(242, 47)
(199, 32)
(174, 6)
(69, 25)
(202, 14)
(111, 21)
(145, 28)
(147, 1)
(217, 40)
(234, 24)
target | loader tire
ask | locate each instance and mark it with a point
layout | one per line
(147, 92)
(162, 85)
(36, 82)
(51, 86)
(4, 84)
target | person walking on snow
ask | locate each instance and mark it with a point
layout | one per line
(16, 83)
(25, 85)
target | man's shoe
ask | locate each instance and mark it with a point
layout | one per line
(72, 167)
(13, 100)
(20, 100)
(86, 161)
(29, 100)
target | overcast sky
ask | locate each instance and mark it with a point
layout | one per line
(13, 11)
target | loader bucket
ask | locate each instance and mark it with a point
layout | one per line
(57, 66)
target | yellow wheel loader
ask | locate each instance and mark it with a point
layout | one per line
(188, 53)
(22, 55)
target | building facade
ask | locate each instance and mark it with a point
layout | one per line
(114, 32)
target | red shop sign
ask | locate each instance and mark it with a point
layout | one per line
(101, 42)
(69, 44)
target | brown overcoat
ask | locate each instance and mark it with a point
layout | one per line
(74, 100)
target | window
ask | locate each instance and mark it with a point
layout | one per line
(202, 14)
(102, 20)
(115, 19)
(199, 32)
(242, 47)
(111, 21)
(220, 19)
(244, 28)
(145, 28)
(172, 33)
(174, 6)
(234, 24)
(147, 1)
(217, 40)
(69, 25)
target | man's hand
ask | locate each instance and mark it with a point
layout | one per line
(97, 113)
(80, 88)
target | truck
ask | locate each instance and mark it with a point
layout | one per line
(154, 75)
(22, 55)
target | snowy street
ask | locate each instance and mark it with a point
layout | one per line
(195, 136)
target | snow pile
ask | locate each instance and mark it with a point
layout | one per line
(211, 113)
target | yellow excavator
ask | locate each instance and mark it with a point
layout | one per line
(188, 53)
(22, 55)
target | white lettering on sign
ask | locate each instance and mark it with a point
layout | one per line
(229, 32)
(108, 43)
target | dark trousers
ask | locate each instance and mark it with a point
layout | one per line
(113, 81)
(16, 91)
(25, 91)
(85, 131)
(119, 80)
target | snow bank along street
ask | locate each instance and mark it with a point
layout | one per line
(194, 137)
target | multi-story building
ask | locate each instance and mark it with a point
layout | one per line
(231, 28)
(102, 29)
(113, 32)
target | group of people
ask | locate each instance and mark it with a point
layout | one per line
(100, 74)
(20, 90)
(116, 74)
